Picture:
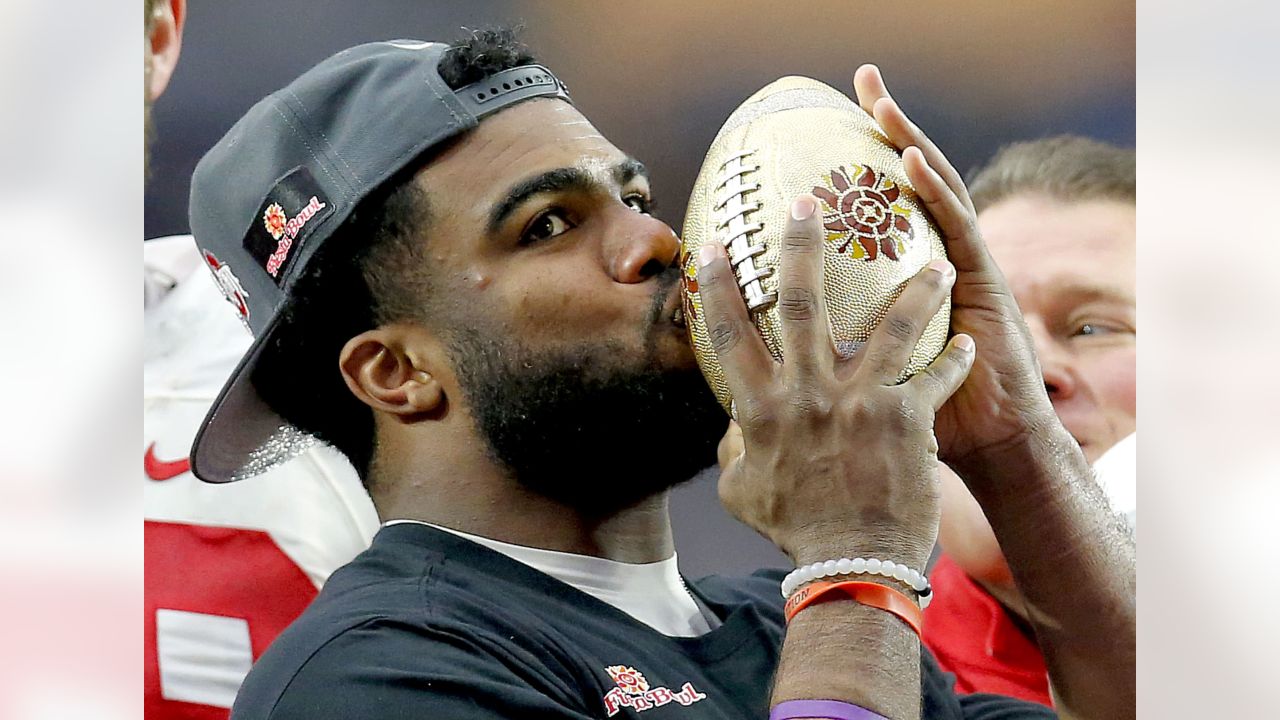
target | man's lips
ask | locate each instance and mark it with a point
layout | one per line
(673, 308)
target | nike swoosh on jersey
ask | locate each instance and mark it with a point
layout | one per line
(157, 469)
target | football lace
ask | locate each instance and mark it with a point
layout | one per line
(735, 232)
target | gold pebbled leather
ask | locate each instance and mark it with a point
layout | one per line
(794, 136)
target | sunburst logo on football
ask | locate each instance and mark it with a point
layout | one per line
(797, 136)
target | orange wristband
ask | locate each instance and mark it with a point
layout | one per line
(865, 593)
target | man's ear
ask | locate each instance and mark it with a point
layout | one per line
(389, 370)
(164, 42)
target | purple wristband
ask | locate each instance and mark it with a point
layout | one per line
(833, 709)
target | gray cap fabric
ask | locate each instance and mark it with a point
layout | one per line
(289, 173)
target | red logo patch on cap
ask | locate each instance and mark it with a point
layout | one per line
(286, 230)
(275, 236)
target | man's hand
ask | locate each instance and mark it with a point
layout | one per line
(838, 457)
(1004, 401)
(1000, 433)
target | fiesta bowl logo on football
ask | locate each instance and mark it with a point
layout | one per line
(633, 692)
(864, 207)
(690, 280)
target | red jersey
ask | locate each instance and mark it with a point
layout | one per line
(973, 637)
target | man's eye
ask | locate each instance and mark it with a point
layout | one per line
(1094, 329)
(545, 226)
(639, 203)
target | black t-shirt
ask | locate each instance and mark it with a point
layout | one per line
(425, 624)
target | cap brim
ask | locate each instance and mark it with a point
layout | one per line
(235, 441)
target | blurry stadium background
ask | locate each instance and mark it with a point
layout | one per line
(658, 78)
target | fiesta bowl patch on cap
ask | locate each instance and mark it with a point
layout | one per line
(293, 209)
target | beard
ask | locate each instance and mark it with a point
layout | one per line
(591, 426)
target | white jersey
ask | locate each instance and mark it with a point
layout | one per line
(227, 566)
(1117, 473)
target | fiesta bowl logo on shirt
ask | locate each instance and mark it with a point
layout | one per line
(633, 692)
(628, 678)
(230, 286)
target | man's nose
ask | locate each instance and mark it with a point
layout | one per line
(1055, 362)
(1059, 381)
(639, 247)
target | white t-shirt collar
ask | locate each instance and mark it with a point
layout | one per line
(653, 593)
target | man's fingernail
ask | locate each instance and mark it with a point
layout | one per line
(964, 342)
(942, 267)
(803, 208)
(707, 253)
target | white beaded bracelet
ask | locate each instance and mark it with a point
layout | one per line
(859, 566)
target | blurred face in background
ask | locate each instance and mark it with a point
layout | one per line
(1071, 266)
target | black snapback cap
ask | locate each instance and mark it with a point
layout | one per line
(289, 173)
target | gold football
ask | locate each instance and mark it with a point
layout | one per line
(795, 136)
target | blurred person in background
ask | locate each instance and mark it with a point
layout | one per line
(455, 279)
(226, 568)
(1059, 218)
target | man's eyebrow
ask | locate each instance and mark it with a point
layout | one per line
(559, 180)
(628, 170)
(1078, 291)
